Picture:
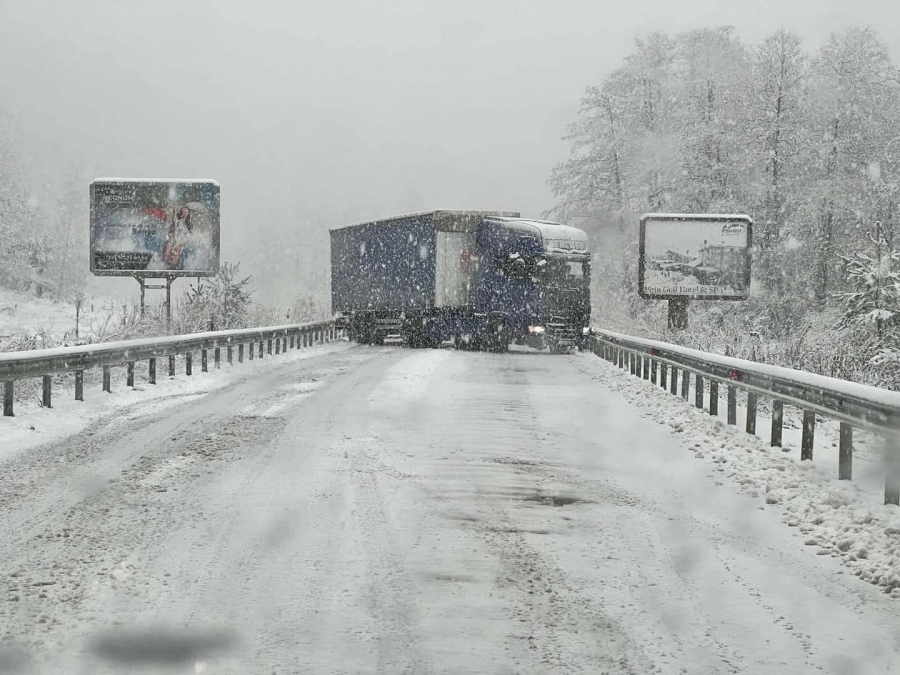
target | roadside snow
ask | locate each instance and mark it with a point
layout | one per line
(845, 520)
(33, 425)
(27, 315)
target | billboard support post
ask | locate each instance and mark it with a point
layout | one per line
(678, 313)
(143, 290)
(157, 287)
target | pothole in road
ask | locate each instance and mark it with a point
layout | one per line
(556, 500)
(516, 530)
(514, 461)
(453, 578)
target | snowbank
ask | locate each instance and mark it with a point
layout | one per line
(842, 519)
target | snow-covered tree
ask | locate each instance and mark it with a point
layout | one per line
(713, 70)
(855, 93)
(873, 298)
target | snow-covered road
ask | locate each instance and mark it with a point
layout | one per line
(387, 510)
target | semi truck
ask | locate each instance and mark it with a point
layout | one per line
(481, 279)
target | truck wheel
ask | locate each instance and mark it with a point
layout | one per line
(498, 339)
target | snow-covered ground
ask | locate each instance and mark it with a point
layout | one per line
(34, 425)
(24, 315)
(842, 519)
(388, 510)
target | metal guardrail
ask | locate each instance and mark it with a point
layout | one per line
(853, 405)
(44, 363)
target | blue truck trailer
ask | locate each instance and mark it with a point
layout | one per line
(482, 279)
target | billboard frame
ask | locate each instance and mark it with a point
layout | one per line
(154, 274)
(707, 217)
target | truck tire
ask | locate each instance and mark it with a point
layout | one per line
(498, 337)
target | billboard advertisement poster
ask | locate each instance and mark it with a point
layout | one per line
(695, 256)
(154, 228)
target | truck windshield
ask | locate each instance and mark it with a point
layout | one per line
(546, 269)
(556, 271)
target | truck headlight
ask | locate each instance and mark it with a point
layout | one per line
(586, 330)
(536, 330)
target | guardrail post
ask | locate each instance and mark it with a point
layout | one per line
(632, 359)
(251, 350)
(845, 453)
(240, 353)
(646, 361)
(685, 384)
(261, 348)
(46, 393)
(230, 355)
(752, 399)
(79, 385)
(892, 490)
(9, 395)
(172, 366)
(151, 371)
(777, 422)
(891, 468)
(189, 363)
(284, 346)
(732, 404)
(292, 340)
(674, 388)
(653, 369)
(107, 380)
(663, 373)
(277, 345)
(714, 397)
(129, 377)
(698, 390)
(809, 435)
(203, 361)
(217, 357)
(269, 346)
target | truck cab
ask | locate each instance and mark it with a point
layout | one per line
(537, 275)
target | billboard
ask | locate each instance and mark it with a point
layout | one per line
(151, 228)
(695, 257)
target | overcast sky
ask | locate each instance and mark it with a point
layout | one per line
(343, 109)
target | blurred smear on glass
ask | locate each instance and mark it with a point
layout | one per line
(14, 660)
(158, 646)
